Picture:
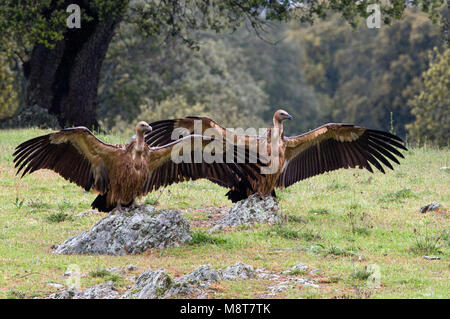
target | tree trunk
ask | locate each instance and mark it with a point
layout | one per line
(64, 79)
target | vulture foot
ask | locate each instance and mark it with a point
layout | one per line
(117, 209)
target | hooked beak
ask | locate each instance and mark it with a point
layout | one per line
(289, 117)
(148, 128)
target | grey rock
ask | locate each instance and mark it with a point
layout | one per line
(432, 257)
(215, 229)
(304, 282)
(151, 284)
(131, 268)
(114, 270)
(65, 294)
(130, 231)
(102, 291)
(278, 288)
(273, 277)
(252, 210)
(314, 271)
(299, 267)
(310, 284)
(430, 207)
(201, 273)
(157, 284)
(238, 271)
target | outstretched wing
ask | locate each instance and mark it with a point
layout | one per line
(177, 162)
(333, 146)
(74, 153)
(166, 131)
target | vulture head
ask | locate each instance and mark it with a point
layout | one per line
(280, 116)
(142, 127)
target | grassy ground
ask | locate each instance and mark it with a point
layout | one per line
(340, 223)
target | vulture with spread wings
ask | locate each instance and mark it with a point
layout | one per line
(328, 147)
(122, 173)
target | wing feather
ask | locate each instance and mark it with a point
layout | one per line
(75, 154)
(162, 131)
(333, 146)
(164, 171)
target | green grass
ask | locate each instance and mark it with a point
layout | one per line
(341, 223)
(202, 238)
(106, 275)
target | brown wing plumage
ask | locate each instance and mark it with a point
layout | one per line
(165, 171)
(333, 146)
(163, 131)
(166, 131)
(74, 153)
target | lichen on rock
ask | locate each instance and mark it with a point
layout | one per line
(253, 210)
(131, 231)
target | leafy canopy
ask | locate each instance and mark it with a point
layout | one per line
(30, 22)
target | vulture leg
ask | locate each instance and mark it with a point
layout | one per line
(133, 204)
(118, 208)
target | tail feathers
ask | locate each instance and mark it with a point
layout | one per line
(101, 204)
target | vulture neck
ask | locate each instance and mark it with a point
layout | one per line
(140, 141)
(278, 125)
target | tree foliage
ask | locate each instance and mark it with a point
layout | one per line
(363, 75)
(142, 73)
(431, 105)
(149, 63)
(30, 22)
(9, 96)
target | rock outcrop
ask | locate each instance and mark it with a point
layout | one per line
(252, 210)
(131, 231)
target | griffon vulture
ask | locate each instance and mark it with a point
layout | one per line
(121, 173)
(326, 148)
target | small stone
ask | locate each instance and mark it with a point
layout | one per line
(430, 207)
(131, 268)
(114, 270)
(432, 257)
(69, 273)
(314, 271)
(215, 229)
(309, 284)
(277, 289)
(274, 277)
